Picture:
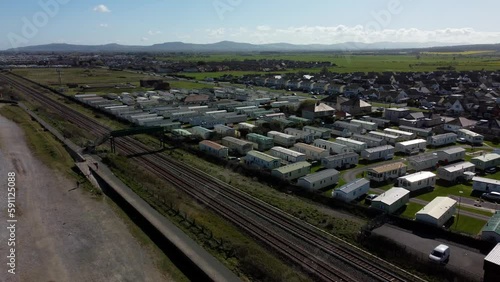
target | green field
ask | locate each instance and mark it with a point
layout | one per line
(468, 225)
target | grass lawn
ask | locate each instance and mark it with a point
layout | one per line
(478, 211)
(411, 209)
(440, 190)
(468, 225)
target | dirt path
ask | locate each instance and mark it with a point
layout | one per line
(64, 234)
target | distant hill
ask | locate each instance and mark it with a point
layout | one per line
(229, 46)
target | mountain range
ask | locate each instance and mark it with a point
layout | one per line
(229, 46)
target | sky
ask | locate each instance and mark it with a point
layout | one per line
(147, 22)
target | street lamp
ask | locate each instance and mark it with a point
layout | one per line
(459, 201)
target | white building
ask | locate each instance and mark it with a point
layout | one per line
(318, 132)
(483, 184)
(451, 155)
(246, 126)
(367, 125)
(369, 140)
(319, 180)
(300, 135)
(352, 128)
(287, 154)
(214, 149)
(224, 130)
(340, 161)
(411, 146)
(282, 138)
(392, 200)
(203, 132)
(352, 190)
(332, 147)
(386, 171)
(486, 161)
(456, 171)
(423, 161)
(356, 146)
(237, 145)
(312, 152)
(261, 160)
(420, 132)
(442, 139)
(292, 171)
(437, 212)
(378, 153)
(403, 135)
(470, 136)
(389, 138)
(416, 181)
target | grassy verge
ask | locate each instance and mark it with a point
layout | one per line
(468, 225)
(411, 209)
(478, 211)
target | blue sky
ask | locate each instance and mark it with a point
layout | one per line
(146, 22)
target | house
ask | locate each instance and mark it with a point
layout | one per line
(391, 200)
(411, 146)
(456, 108)
(423, 161)
(312, 152)
(353, 106)
(486, 161)
(386, 172)
(340, 161)
(454, 125)
(236, 145)
(455, 172)
(292, 171)
(416, 181)
(282, 138)
(450, 155)
(482, 184)
(261, 142)
(214, 149)
(420, 132)
(437, 212)
(403, 135)
(204, 133)
(332, 147)
(352, 190)
(318, 110)
(491, 263)
(491, 230)
(356, 146)
(470, 136)
(389, 138)
(442, 139)
(287, 155)
(385, 152)
(224, 130)
(300, 135)
(394, 114)
(319, 180)
(318, 132)
(261, 160)
(367, 125)
(370, 141)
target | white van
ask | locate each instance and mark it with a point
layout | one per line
(440, 254)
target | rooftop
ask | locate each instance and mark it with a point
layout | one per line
(487, 157)
(438, 207)
(262, 156)
(494, 255)
(287, 151)
(493, 224)
(486, 180)
(353, 185)
(212, 144)
(400, 132)
(292, 167)
(320, 175)
(236, 140)
(412, 142)
(379, 148)
(388, 167)
(453, 150)
(392, 195)
(458, 166)
(309, 147)
(418, 176)
(350, 140)
(384, 134)
(422, 157)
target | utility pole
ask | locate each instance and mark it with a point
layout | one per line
(60, 80)
(459, 201)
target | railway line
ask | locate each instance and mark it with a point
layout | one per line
(317, 253)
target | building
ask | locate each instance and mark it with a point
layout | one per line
(491, 265)
(353, 106)
(356, 146)
(424, 161)
(352, 190)
(381, 123)
(442, 139)
(261, 142)
(483, 184)
(261, 160)
(370, 141)
(340, 161)
(385, 152)
(470, 136)
(451, 155)
(420, 132)
(367, 125)
(491, 231)
(319, 180)
(437, 212)
(312, 152)
(287, 155)
(392, 200)
(486, 161)
(292, 171)
(236, 145)
(332, 147)
(214, 149)
(389, 138)
(386, 172)
(300, 135)
(394, 114)
(246, 126)
(224, 130)
(352, 128)
(318, 110)
(455, 172)
(403, 135)
(202, 132)
(416, 181)
(318, 132)
(411, 146)
(282, 138)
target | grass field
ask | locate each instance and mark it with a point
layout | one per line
(468, 225)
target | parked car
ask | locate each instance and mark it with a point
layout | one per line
(491, 170)
(440, 254)
(369, 198)
(461, 140)
(491, 196)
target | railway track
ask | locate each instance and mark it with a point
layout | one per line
(319, 254)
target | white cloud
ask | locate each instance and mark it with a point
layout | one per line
(144, 39)
(156, 32)
(101, 9)
(217, 33)
(263, 28)
(104, 25)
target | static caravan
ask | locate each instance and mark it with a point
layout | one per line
(451, 155)
(300, 135)
(246, 126)
(390, 138)
(282, 138)
(370, 141)
(237, 145)
(352, 190)
(381, 123)
(411, 146)
(416, 181)
(288, 155)
(214, 149)
(224, 130)
(491, 233)
(312, 152)
(292, 171)
(367, 125)
(392, 200)
(357, 146)
(340, 161)
(351, 127)
(241, 110)
(456, 171)
(403, 135)
(420, 132)
(486, 161)
(318, 132)
(437, 212)
(470, 136)
(485, 184)
(386, 172)
(442, 139)
(423, 161)
(332, 147)
(262, 143)
(340, 131)
(378, 153)
(319, 180)
(233, 119)
(261, 160)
